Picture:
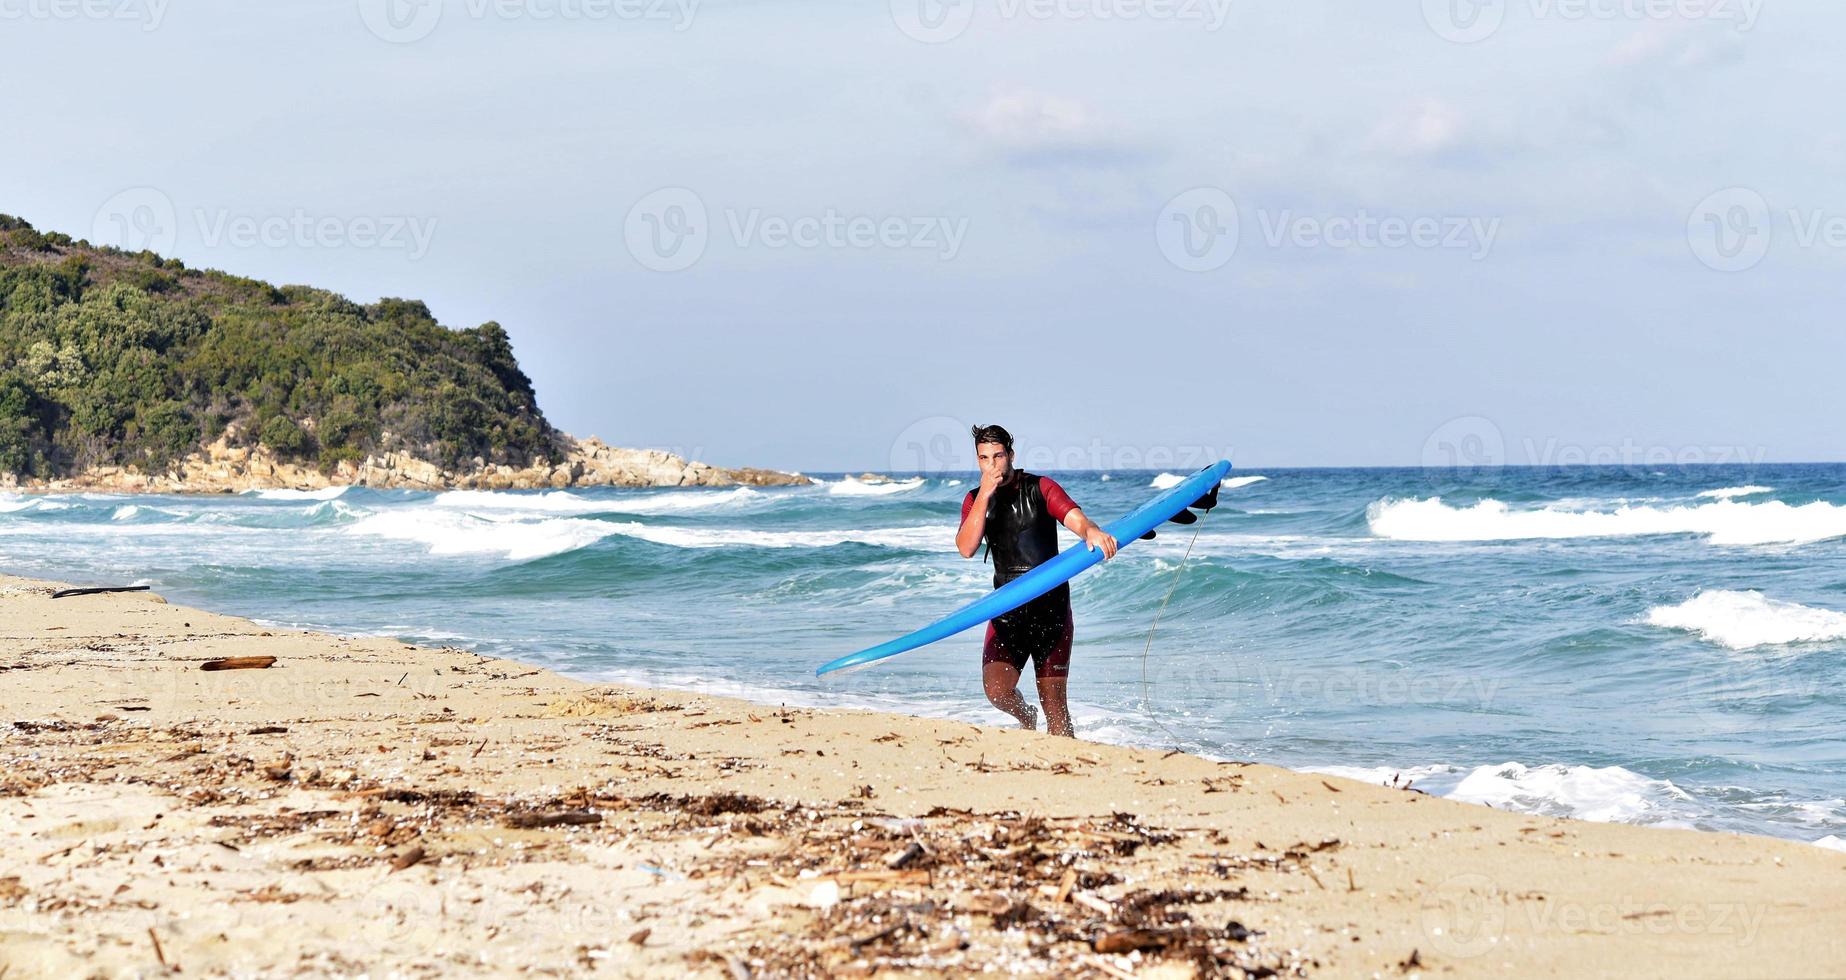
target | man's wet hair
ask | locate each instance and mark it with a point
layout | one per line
(993, 433)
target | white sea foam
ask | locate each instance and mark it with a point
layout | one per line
(455, 533)
(339, 508)
(1167, 481)
(931, 537)
(450, 531)
(1726, 522)
(125, 513)
(562, 502)
(12, 503)
(1610, 794)
(1726, 493)
(1832, 842)
(1395, 775)
(687, 501)
(554, 502)
(851, 487)
(1744, 620)
(325, 493)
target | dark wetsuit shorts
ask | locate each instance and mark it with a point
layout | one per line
(1039, 631)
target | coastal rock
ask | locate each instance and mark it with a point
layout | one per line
(225, 468)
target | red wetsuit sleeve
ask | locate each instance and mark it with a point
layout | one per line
(967, 504)
(1056, 500)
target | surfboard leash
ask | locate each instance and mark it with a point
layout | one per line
(1147, 700)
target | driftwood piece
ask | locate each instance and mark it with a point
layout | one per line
(239, 663)
(897, 860)
(67, 593)
(918, 876)
(1129, 940)
(408, 859)
(571, 818)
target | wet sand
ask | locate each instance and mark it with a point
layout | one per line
(362, 806)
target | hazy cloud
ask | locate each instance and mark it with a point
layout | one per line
(1032, 127)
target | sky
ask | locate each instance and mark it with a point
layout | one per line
(832, 234)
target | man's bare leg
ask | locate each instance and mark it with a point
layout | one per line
(1002, 683)
(1057, 710)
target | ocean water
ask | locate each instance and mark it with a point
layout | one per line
(1652, 646)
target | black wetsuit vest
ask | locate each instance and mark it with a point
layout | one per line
(1021, 534)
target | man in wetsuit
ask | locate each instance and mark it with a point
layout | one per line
(1018, 514)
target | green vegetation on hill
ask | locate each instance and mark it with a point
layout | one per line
(109, 357)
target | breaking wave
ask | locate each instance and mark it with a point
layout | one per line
(1725, 522)
(1745, 620)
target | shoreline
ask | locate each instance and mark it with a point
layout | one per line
(395, 808)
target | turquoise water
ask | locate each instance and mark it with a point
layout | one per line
(1656, 646)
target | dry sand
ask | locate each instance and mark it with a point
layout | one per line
(367, 807)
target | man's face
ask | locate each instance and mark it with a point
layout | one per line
(994, 458)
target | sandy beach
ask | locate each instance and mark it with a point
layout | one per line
(366, 807)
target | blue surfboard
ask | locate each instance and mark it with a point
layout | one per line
(1199, 489)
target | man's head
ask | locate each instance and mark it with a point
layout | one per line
(993, 447)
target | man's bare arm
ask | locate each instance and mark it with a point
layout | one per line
(1091, 533)
(968, 539)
